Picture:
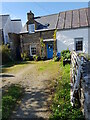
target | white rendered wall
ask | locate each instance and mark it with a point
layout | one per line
(7, 28)
(11, 27)
(65, 39)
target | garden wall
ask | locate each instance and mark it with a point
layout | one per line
(80, 82)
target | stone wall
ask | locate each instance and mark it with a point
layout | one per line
(85, 90)
(1, 37)
(15, 45)
(27, 39)
(80, 82)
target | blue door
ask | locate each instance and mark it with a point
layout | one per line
(49, 51)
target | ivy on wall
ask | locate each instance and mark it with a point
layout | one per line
(54, 37)
(42, 48)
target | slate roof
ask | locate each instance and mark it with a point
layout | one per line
(47, 22)
(3, 20)
(74, 19)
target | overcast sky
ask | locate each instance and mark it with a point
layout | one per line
(20, 9)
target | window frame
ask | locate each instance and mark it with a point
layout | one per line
(32, 46)
(30, 28)
(76, 40)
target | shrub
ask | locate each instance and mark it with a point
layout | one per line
(36, 58)
(56, 59)
(66, 54)
(25, 56)
(5, 51)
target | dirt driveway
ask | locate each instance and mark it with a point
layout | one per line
(35, 78)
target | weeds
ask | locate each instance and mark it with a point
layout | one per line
(61, 107)
(9, 100)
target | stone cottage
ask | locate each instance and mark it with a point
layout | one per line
(71, 29)
(35, 30)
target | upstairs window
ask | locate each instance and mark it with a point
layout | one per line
(31, 28)
(79, 44)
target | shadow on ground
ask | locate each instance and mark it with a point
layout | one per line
(34, 106)
(6, 75)
(16, 63)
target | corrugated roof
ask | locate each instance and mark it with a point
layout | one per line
(3, 20)
(74, 19)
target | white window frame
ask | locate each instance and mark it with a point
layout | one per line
(31, 50)
(31, 28)
(78, 39)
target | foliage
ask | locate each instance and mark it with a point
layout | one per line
(9, 100)
(61, 107)
(36, 58)
(6, 54)
(54, 37)
(24, 56)
(41, 42)
(66, 54)
(42, 48)
(56, 59)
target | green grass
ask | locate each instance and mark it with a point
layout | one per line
(9, 100)
(15, 67)
(61, 107)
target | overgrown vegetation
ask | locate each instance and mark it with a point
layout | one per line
(56, 59)
(42, 48)
(54, 37)
(66, 54)
(6, 54)
(61, 107)
(36, 58)
(24, 56)
(9, 100)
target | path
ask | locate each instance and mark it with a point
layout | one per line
(34, 104)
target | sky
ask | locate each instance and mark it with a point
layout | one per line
(19, 9)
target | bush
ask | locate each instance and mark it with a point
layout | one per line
(25, 56)
(66, 54)
(56, 59)
(36, 58)
(5, 51)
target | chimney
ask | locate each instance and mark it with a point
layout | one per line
(30, 16)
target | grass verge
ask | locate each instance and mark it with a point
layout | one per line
(9, 100)
(15, 67)
(61, 107)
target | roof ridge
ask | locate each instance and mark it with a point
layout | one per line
(47, 15)
(15, 19)
(5, 15)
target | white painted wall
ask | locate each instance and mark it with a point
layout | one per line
(7, 28)
(65, 39)
(11, 27)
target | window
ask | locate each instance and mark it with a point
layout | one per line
(79, 44)
(32, 50)
(31, 28)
